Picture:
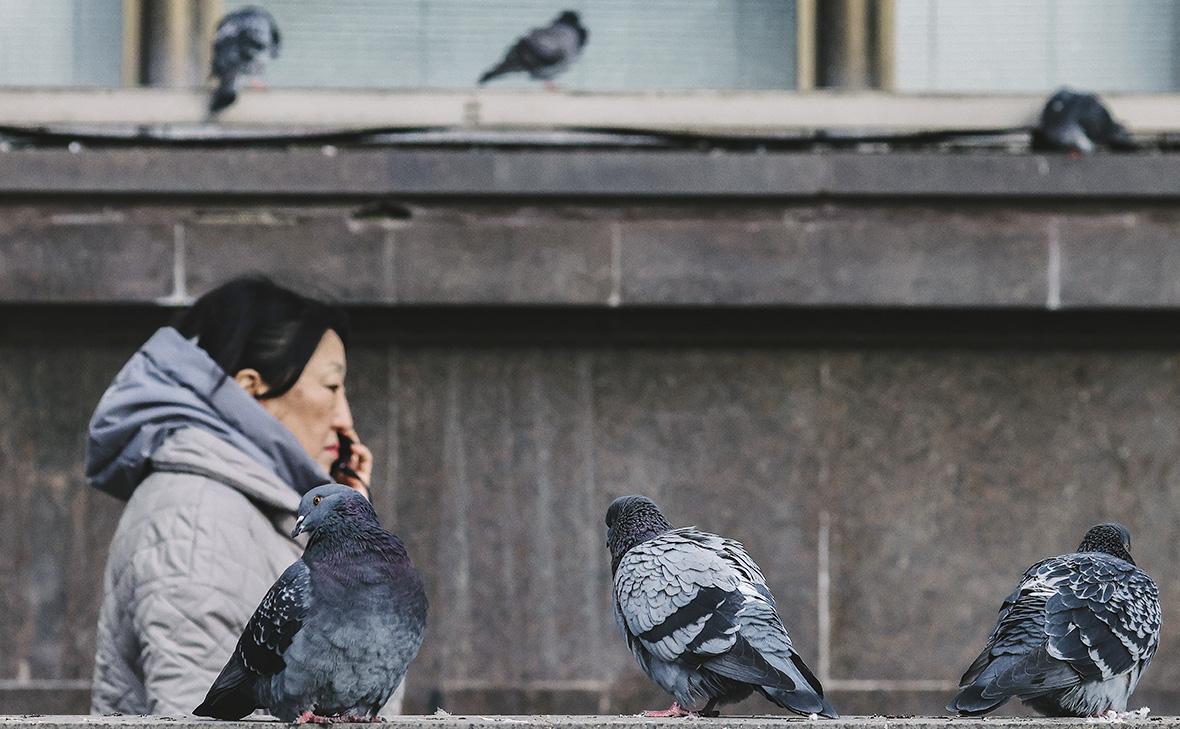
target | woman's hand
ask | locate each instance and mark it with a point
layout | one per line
(361, 463)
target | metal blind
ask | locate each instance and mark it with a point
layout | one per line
(1037, 45)
(61, 43)
(654, 44)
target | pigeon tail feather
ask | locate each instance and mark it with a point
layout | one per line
(801, 702)
(231, 696)
(791, 686)
(501, 69)
(808, 698)
(223, 96)
(1119, 138)
(970, 701)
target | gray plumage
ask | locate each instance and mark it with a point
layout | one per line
(1075, 636)
(698, 616)
(336, 632)
(244, 43)
(544, 52)
(1079, 123)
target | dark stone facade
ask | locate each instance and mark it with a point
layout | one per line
(892, 491)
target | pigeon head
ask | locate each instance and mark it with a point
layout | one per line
(629, 521)
(329, 507)
(1113, 539)
(574, 21)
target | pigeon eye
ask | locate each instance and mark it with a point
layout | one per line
(316, 501)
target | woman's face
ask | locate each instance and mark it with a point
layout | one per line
(315, 409)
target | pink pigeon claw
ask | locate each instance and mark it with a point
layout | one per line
(672, 711)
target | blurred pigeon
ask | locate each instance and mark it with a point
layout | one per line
(544, 52)
(699, 618)
(245, 42)
(1078, 123)
(335, 633)
(1073, 638)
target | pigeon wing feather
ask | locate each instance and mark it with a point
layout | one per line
(669, 589)
(696, 597)
(1104, 618)
(1073, 618)
(260, 650)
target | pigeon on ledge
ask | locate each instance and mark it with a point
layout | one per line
(245, 42)
(333, 637)
(699, 618)
(544, 52)
(1078, 123)
(1074, 637)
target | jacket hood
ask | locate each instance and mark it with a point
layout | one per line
(199, 452)
(169, 385)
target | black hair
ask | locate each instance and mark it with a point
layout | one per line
(252, 323)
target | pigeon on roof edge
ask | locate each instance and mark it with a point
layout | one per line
(245, 41)
(544, 52)
(1079, 123)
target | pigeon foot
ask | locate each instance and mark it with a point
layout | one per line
(357, 719)
(310, 717)
(671, 711)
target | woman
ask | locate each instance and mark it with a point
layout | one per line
(211, 431)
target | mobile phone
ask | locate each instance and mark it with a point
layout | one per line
(340, 466)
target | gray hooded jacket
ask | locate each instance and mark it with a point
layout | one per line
(213, 484)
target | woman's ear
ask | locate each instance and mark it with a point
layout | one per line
(251, 382)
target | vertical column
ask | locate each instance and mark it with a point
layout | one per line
(884, 44)
(176, 40)
(854, 44)
(132, 42)
(805, 11)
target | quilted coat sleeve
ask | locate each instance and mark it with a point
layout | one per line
(184, 626)
(196, 559)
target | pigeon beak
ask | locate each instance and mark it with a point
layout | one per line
(298, 526)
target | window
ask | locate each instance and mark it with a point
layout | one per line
(654, 44)
(1037, 45)
(61, 43)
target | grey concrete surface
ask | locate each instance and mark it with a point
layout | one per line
(312, 173)
(913, 485)
(601, 254)
(599, 722)
(892, 492)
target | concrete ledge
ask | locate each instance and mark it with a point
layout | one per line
(750, 112)
(630, 174)
(602, 255)
(606, 229)
(592, 722)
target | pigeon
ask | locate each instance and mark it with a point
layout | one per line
(245, 42)
(1074, 637)
(544, 52)
(699, 618)
(333, 637)
(1078, 123)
